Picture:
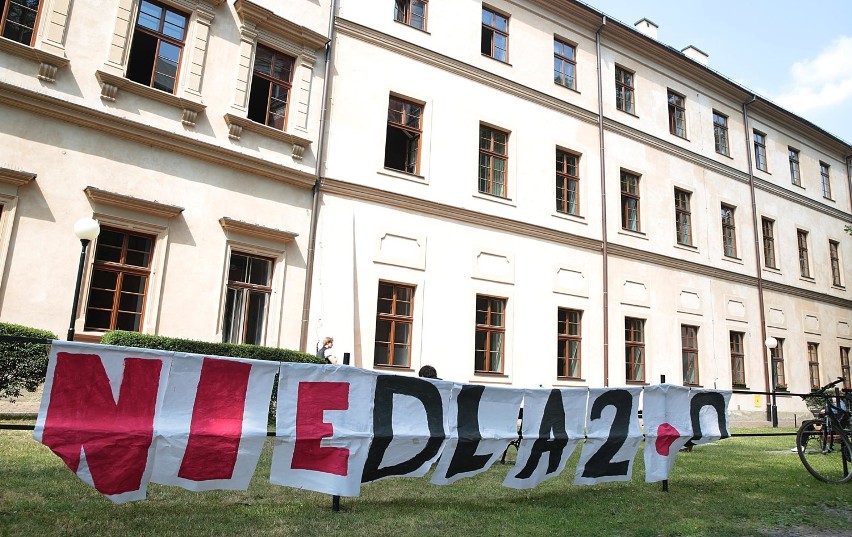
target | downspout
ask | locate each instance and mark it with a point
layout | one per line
(604, 252)
(315, 191)
(758, 267)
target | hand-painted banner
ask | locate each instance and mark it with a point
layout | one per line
(122, 417)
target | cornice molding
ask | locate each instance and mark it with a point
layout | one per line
(430, 208)
(256, 231)
(47, 105)
(15, 178)
(795, 197)
(261, 17)
(122, 201)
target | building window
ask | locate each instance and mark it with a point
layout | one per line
(677, 114)
(737, 359)
(247, 299)
(825, 177)
(813, 365)
(493, 158)
(490, 334)
(634, 349)
(564, 64)
(629, 201)
(568, 344)
(19, 20)
(567, 183)
(411, 12)
(394, 320)
(768, 227)
(804, 262)
(689, 354)
(402, 143)
(624, 90)
(683, 217)
(157, 46)
(844, 367)
(270, 87)
(120, 273)
(720, 132)
(760, 151)
(834, 254)
(495, 35)
(777, 356)
(795, 175)
(729, 232)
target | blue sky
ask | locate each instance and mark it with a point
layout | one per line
(796, 54)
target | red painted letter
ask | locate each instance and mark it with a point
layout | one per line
(217, 421)
(309, 454)
(83, 415)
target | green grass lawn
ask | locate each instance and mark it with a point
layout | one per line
(739, 486)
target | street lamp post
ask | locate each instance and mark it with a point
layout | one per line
(87, 230)
(771, 343)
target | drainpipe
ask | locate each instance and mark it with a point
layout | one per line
(315, 191)
(758, 267)
(604, 252)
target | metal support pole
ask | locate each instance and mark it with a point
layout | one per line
(345, 358)
(74, 306)
(774, 405)
(665, 481)
(335, 503)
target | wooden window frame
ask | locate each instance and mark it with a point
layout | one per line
(804, 260)
(777, 359)
(492, 156)
(560, 76)
(121, 269)
(629, 195)
(490, 330)
(767, 226)
(813, 365)
(403, 11)
(844, 367)
(491, 29)
(795, 170)
(720, 133)
(33, 31)
(825, 179)
(566, 362)
(737, 340)
(273, 82)
(413, 133)
(677, 110)
(760, 150)
(623, 89)
(729, 231)
(161, 38)
(633, 345)
(683, 216)
(689, 354)
(566, 179)
(395, 319)
(834, 257)
(246, 288)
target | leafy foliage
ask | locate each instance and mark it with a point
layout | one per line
(22, 365)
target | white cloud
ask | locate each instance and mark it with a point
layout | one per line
(822, 82)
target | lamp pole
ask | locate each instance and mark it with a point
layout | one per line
(772, 343)
(87, 230)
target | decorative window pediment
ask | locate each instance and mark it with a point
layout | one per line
(154, 208)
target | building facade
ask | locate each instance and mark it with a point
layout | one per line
(518, 192)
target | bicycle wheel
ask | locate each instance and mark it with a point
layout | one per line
(826, 455)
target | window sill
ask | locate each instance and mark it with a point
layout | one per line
(699, 386)
(484, 377)
(773, 270)
(731, 259)
(838, 287)
(88, 337)
(761, 170)
(799, 186)
(49, 63)
(566, 380)
(412, 27)
(394, 368)
(494, 198)
(735, 386)
(636, 383)
(628, 113)
(496, 60)
(110, 84)
(398, 174)
(569, 88)
(636, 234)
(727, 155)
(828, 199)
(237, 124)
(684, 138)
(807, 279)
(686, 247)
(570, 217)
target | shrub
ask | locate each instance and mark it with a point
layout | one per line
(22, 365)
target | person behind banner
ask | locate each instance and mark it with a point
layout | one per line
(428, 372)
(326, 352)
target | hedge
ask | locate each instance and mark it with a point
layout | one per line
(22, 365)
(254, 352)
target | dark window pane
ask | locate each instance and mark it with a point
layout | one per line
(128, 321)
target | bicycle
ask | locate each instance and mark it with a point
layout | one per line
(825, 444)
